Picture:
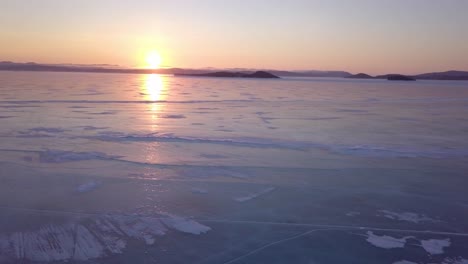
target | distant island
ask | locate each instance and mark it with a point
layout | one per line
(224, 74)
(102, 68)
(231, 72)
(390, 77)
(360, 76)
(396, 77)
(448, 75)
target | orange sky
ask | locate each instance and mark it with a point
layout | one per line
(357, 36)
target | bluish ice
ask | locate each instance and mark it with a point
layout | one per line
(117, 168)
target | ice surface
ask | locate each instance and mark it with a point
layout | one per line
(90, 164)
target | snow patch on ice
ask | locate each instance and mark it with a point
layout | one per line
(458, 260)
(254, 195)
(386, 242)
(404, 262)
(185, 225)
(407, 216)
(435, 246)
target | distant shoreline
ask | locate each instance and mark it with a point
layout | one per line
(245, 73)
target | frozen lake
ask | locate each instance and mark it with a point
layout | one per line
(115, 168)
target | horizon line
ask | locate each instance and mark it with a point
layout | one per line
(167, 67)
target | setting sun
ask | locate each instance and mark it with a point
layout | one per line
(153, 60)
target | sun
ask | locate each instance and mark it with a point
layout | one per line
(153, 60)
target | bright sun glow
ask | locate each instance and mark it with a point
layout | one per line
(153, 87)
(153, 60)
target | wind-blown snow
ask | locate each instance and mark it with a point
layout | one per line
(407, 216)
(458, 260)
(102, 236)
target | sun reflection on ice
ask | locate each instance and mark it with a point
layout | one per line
(154, 87)
(154, 91)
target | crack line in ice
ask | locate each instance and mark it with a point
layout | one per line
(201, 220)
(274, 243)
(254, 195)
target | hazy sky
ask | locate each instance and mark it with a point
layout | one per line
(374, 36)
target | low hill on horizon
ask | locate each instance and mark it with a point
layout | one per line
(227, 74)
(106, 68)
(447, 75)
